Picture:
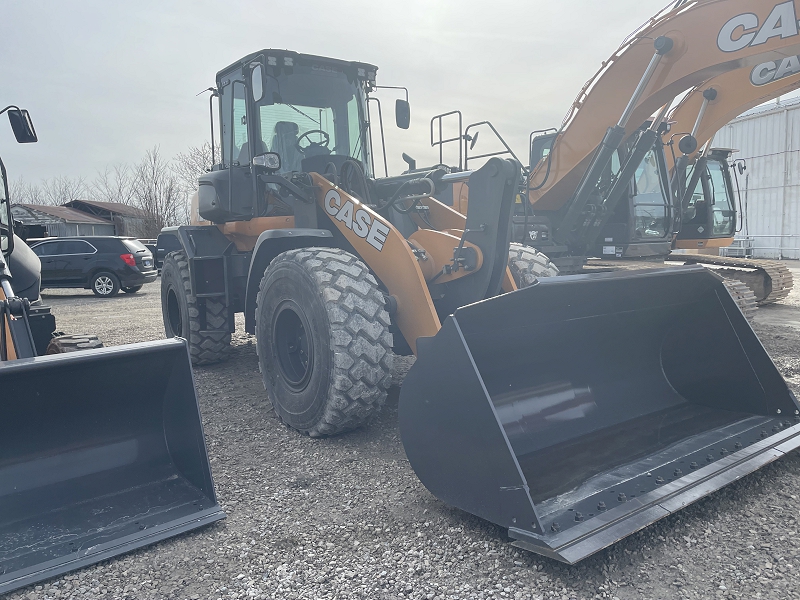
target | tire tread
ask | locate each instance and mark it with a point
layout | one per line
(361, 341)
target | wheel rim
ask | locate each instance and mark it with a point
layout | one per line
(292, 345)
(103, 285)
(174, 313)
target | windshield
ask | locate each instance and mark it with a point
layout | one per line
(649, 201)
(711, 194)
(313, 111)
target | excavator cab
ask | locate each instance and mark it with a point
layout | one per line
(708, 207)
(641, 223)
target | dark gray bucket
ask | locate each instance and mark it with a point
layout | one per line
(101, 452)
(580, 410)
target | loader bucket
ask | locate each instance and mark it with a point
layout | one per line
(580, 410)
(101, 452)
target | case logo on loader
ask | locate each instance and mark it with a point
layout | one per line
(744, 30)
(359, 221)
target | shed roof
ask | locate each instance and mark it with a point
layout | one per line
(97, 207)
(63, 213)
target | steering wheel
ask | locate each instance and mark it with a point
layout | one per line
(323, 144)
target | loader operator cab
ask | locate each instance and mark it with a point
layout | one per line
(709, 210)
(284, 114)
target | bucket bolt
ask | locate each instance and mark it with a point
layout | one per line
(710, 458)
(678, 473)
(601, 506)
(763, 433)
(737, 445)
(694, 465)
(578, 516)
(723, 452)
(776, 428)
(555, 527)
(622, 497)
(659, 480)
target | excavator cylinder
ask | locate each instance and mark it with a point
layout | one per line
(580, 410)
(101, 452)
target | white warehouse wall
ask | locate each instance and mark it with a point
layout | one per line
(768, 138)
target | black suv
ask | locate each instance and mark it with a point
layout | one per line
(104, 265)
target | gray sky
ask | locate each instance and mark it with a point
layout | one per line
(105, 80)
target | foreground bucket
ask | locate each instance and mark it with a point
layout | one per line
(101, 452)
(580, 410)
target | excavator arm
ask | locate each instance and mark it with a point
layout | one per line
(708, 107)
(707, 38)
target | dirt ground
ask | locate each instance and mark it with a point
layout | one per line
(347, 518)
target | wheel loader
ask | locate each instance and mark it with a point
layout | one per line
(102, 449)
(571, 411)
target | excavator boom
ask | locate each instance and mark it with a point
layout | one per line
(708, 37)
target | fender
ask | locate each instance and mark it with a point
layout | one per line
(269, 244)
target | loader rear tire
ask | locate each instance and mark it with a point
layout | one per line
(323, 340)
(73, 343)
(528, 264)
(181, 314)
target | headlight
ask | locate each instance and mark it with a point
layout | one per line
(270, 161)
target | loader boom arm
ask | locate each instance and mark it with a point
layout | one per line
(710, 37)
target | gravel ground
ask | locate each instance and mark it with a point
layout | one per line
(347, 518)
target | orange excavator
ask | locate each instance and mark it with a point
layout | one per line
(599, 184)
(702, 177)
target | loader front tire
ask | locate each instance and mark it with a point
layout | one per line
(528, 264)
(323, 340)
(179, 308)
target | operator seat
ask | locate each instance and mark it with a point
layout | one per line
(284, 142)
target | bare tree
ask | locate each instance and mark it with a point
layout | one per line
(114, 184)
(190, 165)
(63, 189)
(23, 192)
(157, 191)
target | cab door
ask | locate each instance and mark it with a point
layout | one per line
(227, 192)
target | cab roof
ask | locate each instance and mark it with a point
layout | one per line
(280, 57)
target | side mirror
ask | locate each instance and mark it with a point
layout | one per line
(22, 125)
(257, 82)
(402, 113)
(271, 161)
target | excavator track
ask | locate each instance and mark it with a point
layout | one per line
(769, 280)
(744, 297)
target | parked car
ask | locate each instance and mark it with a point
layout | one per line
(103, 264)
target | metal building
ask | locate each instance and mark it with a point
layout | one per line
(59, 221)
(127, 220)
(768, 139)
